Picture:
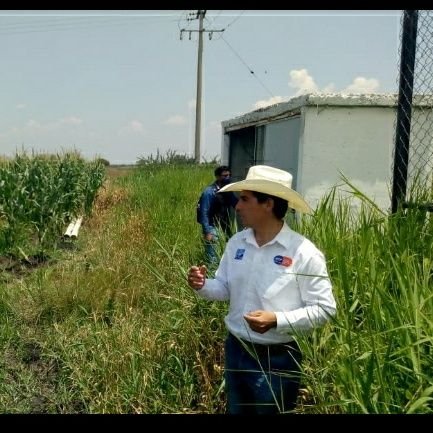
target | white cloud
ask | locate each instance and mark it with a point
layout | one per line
(71, 120)
(133, 127)
(177, 119)
(55, 125)
(191, 103)
(266, 103)
(20, 106)
(362, 85)
(300, 79)
(330, 88)
(33, 124)
(136, 126)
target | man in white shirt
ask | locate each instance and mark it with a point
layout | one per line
(277, 283)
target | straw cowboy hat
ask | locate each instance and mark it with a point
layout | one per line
(272, 181)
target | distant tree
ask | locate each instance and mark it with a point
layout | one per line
(104, 161)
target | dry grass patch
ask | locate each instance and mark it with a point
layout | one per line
(108, 197)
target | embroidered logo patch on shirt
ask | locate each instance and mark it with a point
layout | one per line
(240, 254)
(283, 261)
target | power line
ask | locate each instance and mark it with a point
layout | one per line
(183, 17)
(221, 36)
(236, 18)
(50, 25)
(249, 69)
(214, 18)
(228, 25)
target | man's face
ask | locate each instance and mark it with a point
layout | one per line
(251, 212)
(224, 177)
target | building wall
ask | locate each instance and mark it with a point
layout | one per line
(358, 141)
(225, 147)
(353, 134)
(281, 145)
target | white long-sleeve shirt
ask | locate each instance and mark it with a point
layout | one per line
(287, 275)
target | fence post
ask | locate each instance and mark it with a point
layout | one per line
(404, 108)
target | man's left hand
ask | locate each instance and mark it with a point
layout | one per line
(261, 321)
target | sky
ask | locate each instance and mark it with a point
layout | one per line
(122, 85)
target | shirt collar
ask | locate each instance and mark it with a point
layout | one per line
(284, 237)
(281, 237)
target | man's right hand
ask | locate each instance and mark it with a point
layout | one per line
(197, 276)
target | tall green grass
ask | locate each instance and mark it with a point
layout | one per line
(118, 330)
(376, 357)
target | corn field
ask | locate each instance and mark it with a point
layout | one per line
(40, 194)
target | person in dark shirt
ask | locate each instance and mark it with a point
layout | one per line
(213, 211)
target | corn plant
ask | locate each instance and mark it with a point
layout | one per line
(41, 193)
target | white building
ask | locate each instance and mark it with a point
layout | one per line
(316, 136)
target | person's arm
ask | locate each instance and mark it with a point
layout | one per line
(316, 292)
(217, 288)
(205, 205)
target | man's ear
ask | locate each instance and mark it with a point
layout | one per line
(270, 203)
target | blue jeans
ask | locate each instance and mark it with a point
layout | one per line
(209, 247)
(270, 387)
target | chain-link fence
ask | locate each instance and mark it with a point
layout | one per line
(413, 152)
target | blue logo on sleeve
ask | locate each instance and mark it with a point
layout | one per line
(240, 254)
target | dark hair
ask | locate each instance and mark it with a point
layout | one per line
(280, 205)
(219, 170)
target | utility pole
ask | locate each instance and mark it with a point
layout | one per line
(200, 15)
(197, 151)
